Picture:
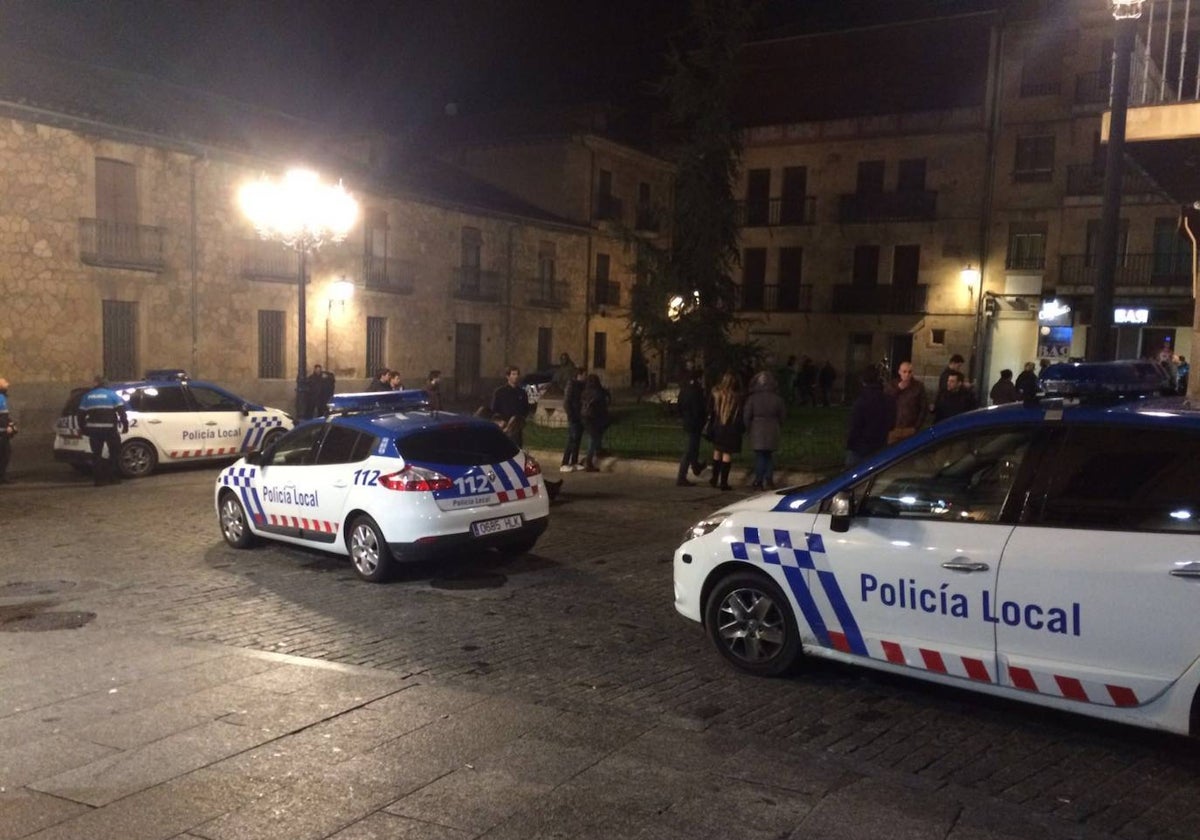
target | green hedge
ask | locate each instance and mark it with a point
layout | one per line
(814, 439)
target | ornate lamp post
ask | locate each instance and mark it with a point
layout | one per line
(303, 214)
(1126, 13)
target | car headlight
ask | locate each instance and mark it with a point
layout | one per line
(704, 526)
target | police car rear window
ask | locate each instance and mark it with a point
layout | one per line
(457, 445)
(159, 398)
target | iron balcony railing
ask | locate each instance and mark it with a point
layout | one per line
(476, 284)
(1167, 272)
(1084, 179)
(388, 274)
(269, 262)
(121, 245)
(777, 212)
(608, 208)
(774, 297)
(899, 206)
(879, 300)
(1092, 88)
(1025, 262)
(546, 294)
(606, 293)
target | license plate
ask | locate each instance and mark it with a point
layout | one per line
(495, 526)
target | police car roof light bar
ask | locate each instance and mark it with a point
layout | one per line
(1105, 380)
(406, 400)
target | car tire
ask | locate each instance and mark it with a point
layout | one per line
(137, 459)
(369, 552)
(521, 546)
(235, 526)
(751, 622)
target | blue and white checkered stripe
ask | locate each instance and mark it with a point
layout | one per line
(824, 606)
(258, 427)
(238, 476)
(243, 478)
(512, 475)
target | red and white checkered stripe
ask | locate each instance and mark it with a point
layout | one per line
(305, 524)
(519, 493)
(1041, 682)
(203, 453)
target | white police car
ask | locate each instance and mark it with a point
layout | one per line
(384, 479)
(173, 419)
(1047, 552)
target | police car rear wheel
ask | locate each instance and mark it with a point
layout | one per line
(369, 552)
(234, 527)
(752, 625)
(138, 459)
(270, 437)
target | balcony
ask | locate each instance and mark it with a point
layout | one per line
(773, 297)
(906, 206)
(1025, 263)
(474, 284)
(388, 274)
(608, 208)
(1083, 179)
(1165, 274)
(879, 300)
(119, 245)
(606, 293)
(646, 219)
(269, 262)
(777, 212)
(546, 294)
(1092, 88)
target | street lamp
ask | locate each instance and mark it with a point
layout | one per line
(340, 292)
(970, 277)
(303, 214)
(1126, 14)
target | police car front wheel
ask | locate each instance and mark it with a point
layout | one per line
(234, 527)
(752, 625)
(369, 551)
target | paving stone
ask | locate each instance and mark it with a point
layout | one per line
(23, 812)
(469, 799)
(870, 809)
(46, 756)
(289, 814)
(384, 826)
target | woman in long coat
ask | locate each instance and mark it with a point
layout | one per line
(725, 423)
(763, 414)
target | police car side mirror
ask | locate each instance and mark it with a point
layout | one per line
(245, 409)
(840, 509)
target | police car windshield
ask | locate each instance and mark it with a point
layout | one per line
(457, 445)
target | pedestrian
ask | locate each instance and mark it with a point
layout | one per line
(786, 380)
(806, 383)
(573, 406)
(691, 406)
(103, 418)
(594, 403)
(433, 387)
(510, 406)
(380, 382)
(872, 417)
(763, 416)
(564, 372)
(725, 422)
(1182, 370)
(912, 403)
(955, 365)
(956, 399)
(825, 378)
(1004, 391)
(314, 385)
(1027, 383)
(8, 431)
(393, 381)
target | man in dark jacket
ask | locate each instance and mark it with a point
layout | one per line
(510, 405)
(103, 418)
(1004, 391)
(573, 406)
(956, 399)
(1027, 382)
(871, 418)
(693, 409)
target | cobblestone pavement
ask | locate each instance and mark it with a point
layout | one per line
(585, 622)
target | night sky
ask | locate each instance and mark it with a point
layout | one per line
(388, 65)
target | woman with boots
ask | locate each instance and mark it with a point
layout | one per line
(763, 416)
(725, 411)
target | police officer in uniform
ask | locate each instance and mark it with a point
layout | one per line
(102, 418)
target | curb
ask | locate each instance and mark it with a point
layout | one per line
(668, 470)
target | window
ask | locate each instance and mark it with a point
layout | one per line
(344, 446)
(1026, 246)
(547, 261)
(1041, 70)
(870, 177)
(794, 201)
(116, 192)
(906, 265)
(600, 350)
(296, 448)
(937, 337)
(602, 268)
(457, 446)
(270, 344)
(1110, 479)
(866, 265)
(159, 398)
(912, 175)
(964, 479)
(1035, 158)
(545, 341)
(754, 277)
(1172, 249)
(472, 255)
(375, 244)
(208, 399)
(1092, 247)
(120, 339)
(376, 344)
(758, 197)
(791, 268)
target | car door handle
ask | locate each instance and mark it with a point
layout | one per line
(211, 423)
(155, 422)
(340, 484)
(962, 564)
(1191, 570)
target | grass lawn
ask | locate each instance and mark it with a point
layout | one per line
(813, 438)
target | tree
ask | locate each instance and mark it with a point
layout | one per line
(683, 303)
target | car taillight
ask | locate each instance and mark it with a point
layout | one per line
(532, 467)
(416, 479)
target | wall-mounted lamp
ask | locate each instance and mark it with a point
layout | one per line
(340, 291)
(970, 277)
